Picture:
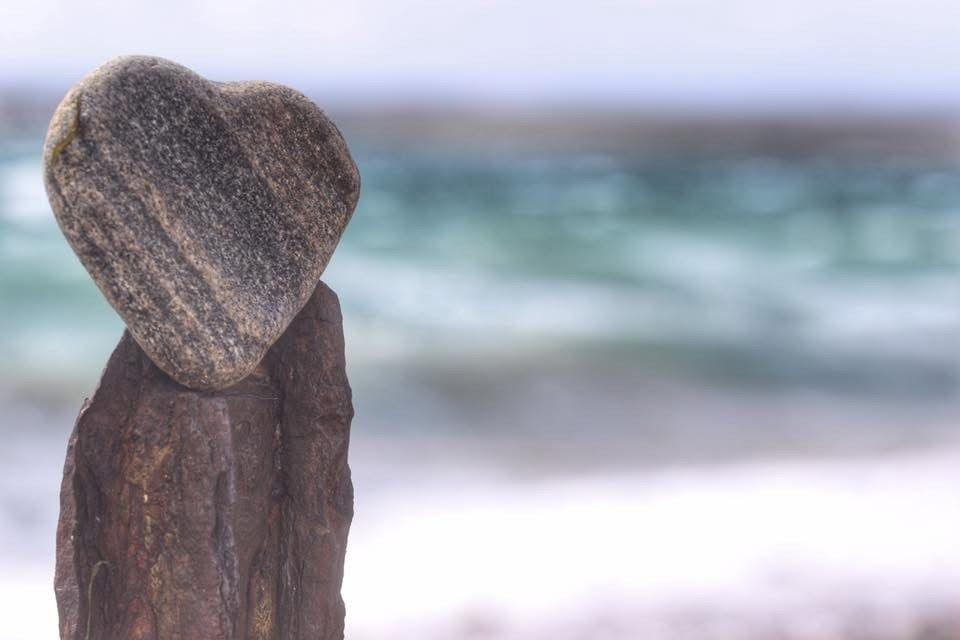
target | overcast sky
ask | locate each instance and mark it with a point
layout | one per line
(701, 51)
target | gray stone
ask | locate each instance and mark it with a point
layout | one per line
(206, 212)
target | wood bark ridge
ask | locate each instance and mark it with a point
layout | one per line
(211, 515)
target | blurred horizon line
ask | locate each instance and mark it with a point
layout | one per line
(931, 130)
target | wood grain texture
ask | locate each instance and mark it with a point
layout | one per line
(205, 212)
(215, 515)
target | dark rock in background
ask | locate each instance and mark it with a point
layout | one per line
(224, 515)
(205, 212)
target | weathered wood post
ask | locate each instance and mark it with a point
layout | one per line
(206, 492)
(190, 514)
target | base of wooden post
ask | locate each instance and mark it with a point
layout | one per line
(211, 516)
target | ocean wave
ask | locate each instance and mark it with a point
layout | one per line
(808, 269)
(23, 198)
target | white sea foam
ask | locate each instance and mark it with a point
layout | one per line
(754, 304)
(782, 543)
(800, 546)
(22, 194)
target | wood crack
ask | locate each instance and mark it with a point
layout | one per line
(213, 519)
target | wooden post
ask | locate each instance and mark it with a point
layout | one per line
(190, 515)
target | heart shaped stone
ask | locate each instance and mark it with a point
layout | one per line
(205, 212)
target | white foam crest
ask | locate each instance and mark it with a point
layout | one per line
(773, 542)
(445, 298)
(720, 297)
(22, 194)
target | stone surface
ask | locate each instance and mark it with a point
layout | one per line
(205, 212)
(215, 515)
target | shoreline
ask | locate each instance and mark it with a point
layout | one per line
(800, 550)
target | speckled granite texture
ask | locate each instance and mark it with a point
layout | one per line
(206, 212)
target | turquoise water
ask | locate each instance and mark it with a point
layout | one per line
(571, 346)
(833, 272)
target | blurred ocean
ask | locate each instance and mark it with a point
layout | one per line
(612, 394)
(826, 272)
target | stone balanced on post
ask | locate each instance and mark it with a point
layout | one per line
(206, 492)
